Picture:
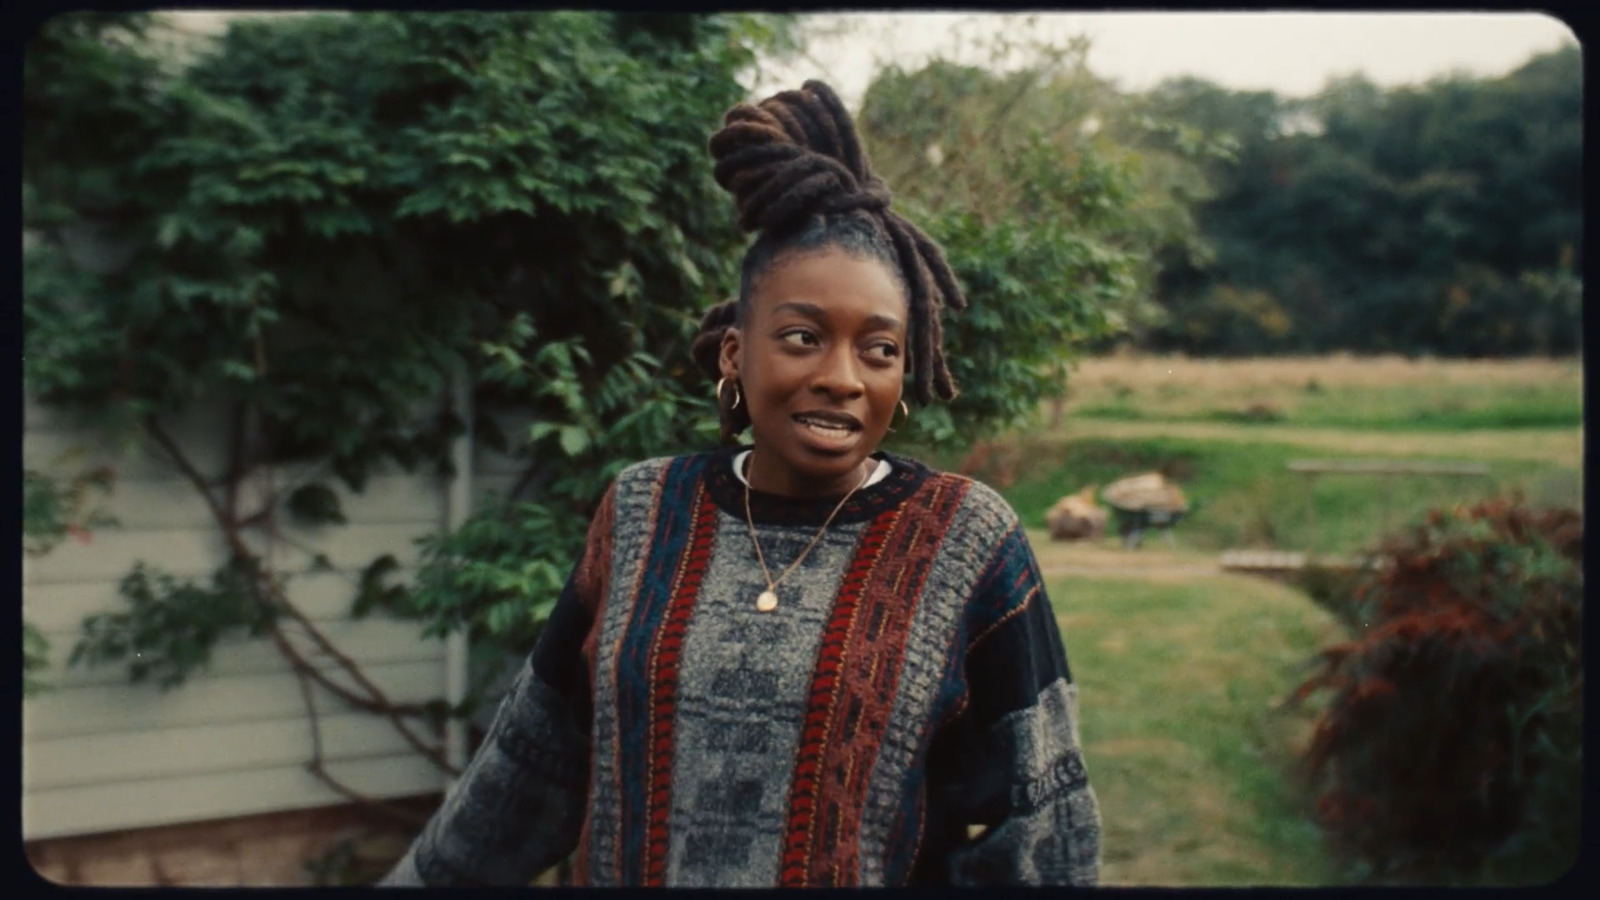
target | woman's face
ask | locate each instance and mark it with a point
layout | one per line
(820, 360)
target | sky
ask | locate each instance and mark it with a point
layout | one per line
(1293, 54)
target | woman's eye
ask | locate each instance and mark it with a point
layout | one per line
(884, 351)
(799, 338)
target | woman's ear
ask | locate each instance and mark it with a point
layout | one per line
(728, 358)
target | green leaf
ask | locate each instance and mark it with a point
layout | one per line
(232, 368)
(541, 610)
(316, 504)
(371, 593)
(574, 439)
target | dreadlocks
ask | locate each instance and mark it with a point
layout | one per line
(801, 178)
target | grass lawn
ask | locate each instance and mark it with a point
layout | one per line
(1235, 473)
(1189, 756)
(1180, 666)
(1241, 492)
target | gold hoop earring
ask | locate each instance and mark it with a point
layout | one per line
(736, 395)
(905, 412)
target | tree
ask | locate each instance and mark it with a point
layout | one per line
(1439, 218)
(1045, 213)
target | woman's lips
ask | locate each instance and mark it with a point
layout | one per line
(827, 434)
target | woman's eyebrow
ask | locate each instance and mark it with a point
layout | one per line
(809, 310)
(816, 313)
(884, 323)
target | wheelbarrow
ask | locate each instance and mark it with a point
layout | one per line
(1133, 523)
(1142, 502)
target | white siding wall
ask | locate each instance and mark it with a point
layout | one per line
(100, 754)
(495, 473)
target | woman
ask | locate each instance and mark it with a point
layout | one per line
(807, 661)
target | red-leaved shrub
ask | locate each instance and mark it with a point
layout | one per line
(1450, 748)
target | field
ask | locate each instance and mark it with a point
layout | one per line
(1181, 665)
(1369, 393)
(1191, 420)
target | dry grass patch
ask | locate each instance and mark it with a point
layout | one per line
(1563, 446)
(1386, 392)
(1242, 377)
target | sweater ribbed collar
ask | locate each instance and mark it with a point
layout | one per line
(727, 491)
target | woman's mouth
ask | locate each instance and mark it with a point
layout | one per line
(832, 432)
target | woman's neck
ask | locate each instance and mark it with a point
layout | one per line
(760, 477)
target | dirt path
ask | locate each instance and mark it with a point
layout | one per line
(1155, 572)
(1107, 558)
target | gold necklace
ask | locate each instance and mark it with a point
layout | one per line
(768, 601)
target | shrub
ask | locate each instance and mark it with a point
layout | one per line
(1451, 744)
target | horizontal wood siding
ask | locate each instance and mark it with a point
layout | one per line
(100, 754)
(170, 801)
(222, 700)
(84, 761)
(324, 596)
(374, 642)
(189, 552)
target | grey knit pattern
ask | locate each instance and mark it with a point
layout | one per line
(743, 684)
(1053, 833)
(526, 773)
(637, 494)
(982, 516)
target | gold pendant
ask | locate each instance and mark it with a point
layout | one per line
(767, 602)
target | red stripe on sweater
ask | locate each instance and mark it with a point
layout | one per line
(664, 657)
(806, 784)
(872, 621)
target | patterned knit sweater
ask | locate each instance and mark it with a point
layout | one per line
(911, 684)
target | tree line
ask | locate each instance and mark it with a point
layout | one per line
(1444, 218)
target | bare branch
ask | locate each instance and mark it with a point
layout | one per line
(317, 768)
(236, 428)
(311, 712)
(404, 815)
(270, 595)
(375, 702)
(153, 428)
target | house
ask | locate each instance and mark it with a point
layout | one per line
(130, 784)
(103, 756)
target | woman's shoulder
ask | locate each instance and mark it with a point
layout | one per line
(655, 469)
(980, 497)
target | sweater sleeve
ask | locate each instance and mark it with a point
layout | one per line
(518, 807)
(1009, 800)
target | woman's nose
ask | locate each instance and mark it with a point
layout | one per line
(838, 373)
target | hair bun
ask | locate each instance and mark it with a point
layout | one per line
(792, 156)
